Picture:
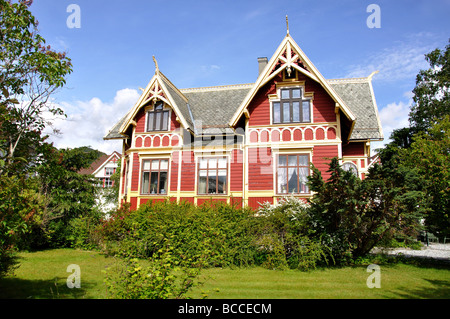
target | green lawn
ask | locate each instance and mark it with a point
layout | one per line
(43, 275)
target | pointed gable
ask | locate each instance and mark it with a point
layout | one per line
(289, 57)
(160, 89)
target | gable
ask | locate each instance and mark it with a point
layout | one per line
(159, 89)
(289, 57)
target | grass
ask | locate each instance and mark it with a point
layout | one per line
(43, 275)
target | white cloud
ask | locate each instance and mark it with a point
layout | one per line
(399, 62)
(88, 121)
(394, 116)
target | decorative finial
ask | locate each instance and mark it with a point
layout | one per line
(156, 65)
(287, 24)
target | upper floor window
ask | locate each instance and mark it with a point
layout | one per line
(109, 171)
(158, 118)
(292, 107)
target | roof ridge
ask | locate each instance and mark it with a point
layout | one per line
(218, 87)
(349, 80)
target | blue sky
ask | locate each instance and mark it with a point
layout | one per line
(206, 43)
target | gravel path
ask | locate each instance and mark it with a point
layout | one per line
(436, 251)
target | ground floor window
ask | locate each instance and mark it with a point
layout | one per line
(292, 174)
(212, 175)
(154, 176)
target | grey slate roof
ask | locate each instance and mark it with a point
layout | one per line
(113, 134)
(213, 107)
(357, 94)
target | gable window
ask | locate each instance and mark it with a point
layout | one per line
(292, 174)
(212, 175)
(109, 171)
(154, 176)
(291, 108)
(158, 118)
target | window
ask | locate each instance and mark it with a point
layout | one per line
(212, 175)
(158, 119)
(154, 176)
(109, 171)
(292, 173)
(291, 108)
(350, 167)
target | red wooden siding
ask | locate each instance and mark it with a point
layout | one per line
(259, 107)
(135, 173)
(140, 121)
(187, 171)
(236, 173)
(323, 104)
(321, 158)
(174, 172)
(133, 203)
(260, 171)
(353, 149)
(254, 202)
(173, 122)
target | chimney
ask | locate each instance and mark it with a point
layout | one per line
(262, 62)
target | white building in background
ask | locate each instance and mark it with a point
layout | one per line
(102, 169)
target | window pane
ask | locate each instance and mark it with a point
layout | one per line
(306, 115)
(158, 106)
(145, 182)
(203, 163)
(202, 183)
(296, 111)
(282, 160)
(292, 160)
(304, 160)
(282, 180)
(146, 165)
(164, 164)
(150, 121)
(293, 180)
(212, 183)
(165, 120)
(213, 163)
(154, 183)
(304, 172)
(296, 93)
(158, 121)
(285, 94)
(222, 179)
(155, 165)
(162, 182)
(276, 113)
(222, 163)
(286, 113)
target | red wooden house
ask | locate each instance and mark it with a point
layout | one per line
(245, 143)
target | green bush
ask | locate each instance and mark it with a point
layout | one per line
(216, 231)
(161, 278)
(283, 236)
(217, 235)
